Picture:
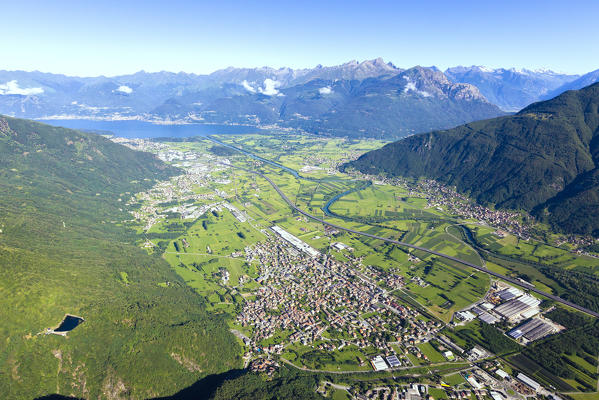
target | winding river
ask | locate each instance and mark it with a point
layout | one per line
(329, 203)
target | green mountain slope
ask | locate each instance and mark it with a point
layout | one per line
(62, 250)
(544, 159)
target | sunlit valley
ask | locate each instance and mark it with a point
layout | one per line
(359, 230)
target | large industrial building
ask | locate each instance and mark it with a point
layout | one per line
(393, 361)
(533, 330)
(296, 242)
(522, 307)
(528, 382)
(509, 293)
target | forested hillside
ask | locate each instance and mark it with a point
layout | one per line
(544, 159)
(63, 250)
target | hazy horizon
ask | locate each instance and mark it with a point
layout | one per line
(114, 38)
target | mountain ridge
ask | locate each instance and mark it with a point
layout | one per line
(511, 89)
(414, 100)
(582, 81)
(543, 159)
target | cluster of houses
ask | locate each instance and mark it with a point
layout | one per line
(316, 299)
(446, 198)
(264, 365)
(156, 202)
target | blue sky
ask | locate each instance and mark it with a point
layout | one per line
(89, 38)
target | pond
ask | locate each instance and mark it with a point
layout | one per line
(69, 323)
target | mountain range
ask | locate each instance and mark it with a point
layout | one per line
(369, 98)
(408, 101)
(544, 159)
(578, 83)
(511, 89)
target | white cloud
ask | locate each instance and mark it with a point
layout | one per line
(124, 89)
(248, 87)
(325, 90)
(270, 88)
(12, 87)
(411, 87)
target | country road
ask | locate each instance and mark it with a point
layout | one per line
(396, 242)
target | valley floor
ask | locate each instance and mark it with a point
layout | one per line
(373, 316)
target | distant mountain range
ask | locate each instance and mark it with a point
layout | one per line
(544, 159)
(369, 98)
(579, 83)
(510, 89)
(388, 105)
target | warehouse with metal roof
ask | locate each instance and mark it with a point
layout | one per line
(393, 361)
(528, 381)
(533, 330)
(509, 293)
(488, 318)
(513, 309)
(379, 364)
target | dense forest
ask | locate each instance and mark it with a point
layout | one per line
(544, 159)
(575, 286)
(581, 339)
(286, 384)
(63, 249)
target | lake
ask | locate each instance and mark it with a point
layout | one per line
(141, 129)
(69, 323)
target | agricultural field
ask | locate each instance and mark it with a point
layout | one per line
(536, 251)
(348, 359)
(316, 155)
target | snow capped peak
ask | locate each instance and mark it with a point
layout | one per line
(537, 71)
(514, 70)
(518, 70)
(485, 69)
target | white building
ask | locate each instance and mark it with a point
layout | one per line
(378, 363)
(528, 382)
(296, 242)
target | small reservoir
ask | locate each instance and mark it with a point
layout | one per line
(69, 323)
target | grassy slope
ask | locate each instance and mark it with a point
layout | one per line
(61, 253)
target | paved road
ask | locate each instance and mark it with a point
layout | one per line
(446, 256)
(370, 371)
